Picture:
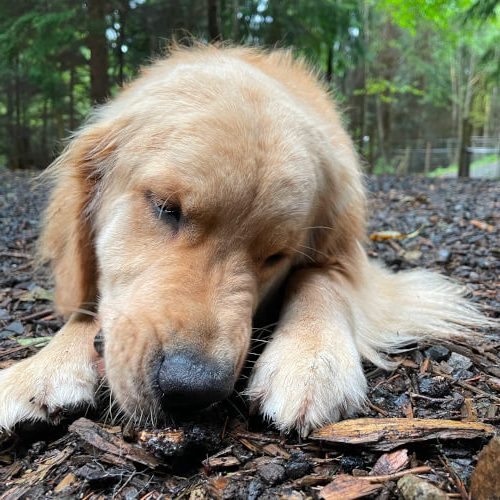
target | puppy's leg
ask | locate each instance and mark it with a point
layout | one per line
(59, 377)
(310, 373)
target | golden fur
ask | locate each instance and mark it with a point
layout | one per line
(250, 145)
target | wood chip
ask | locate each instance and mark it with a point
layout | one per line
(221, 462)
(485, 481)
(66, 481)
(275, 451)
(100, 439)
(345, 487)
(31, 477)
(389, 463)
(388, 433)
(312, 480)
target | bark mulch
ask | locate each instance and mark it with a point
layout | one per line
(422, 430)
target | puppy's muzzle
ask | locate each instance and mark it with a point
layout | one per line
(189, 381)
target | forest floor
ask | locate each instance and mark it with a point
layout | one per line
(225, 453)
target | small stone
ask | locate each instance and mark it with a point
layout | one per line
(437, 353)
(242, 454)
(463, 468)
(462, 374)
(298, 466)
(255, 488)
(459, 362)
(349, 462)
(4, 314)
(434, 387)
(272, 473)
(12, 330)
(485, 481)
(456, 402)
(294, 470)
(99, 476)
(414, 488)
(443, 256)
(445, 367)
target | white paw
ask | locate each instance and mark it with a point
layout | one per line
(298, 387)
(44, 387)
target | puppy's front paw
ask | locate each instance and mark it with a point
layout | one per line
(42, 388)
(304, 389)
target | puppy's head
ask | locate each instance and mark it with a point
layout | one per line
(184, 204)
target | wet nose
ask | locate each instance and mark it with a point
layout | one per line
(190, 381)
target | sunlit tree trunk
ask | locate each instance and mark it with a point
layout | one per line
(121, 42)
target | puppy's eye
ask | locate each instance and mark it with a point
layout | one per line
(169, 212)
(274, 259)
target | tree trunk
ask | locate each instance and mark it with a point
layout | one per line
(235, 30)
(329, 63)
(17, 150)
(380, 129)
(72, 122)
(463, 155)
(44, 145)
(96, 41)
(213, 20)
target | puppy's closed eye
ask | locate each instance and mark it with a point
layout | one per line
(274, 259)
(168, 211)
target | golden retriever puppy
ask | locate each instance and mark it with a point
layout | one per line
(216, 177)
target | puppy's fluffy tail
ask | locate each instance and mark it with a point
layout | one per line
(394, 310)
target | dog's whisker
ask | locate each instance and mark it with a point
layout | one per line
(315, 250)
(317, 227)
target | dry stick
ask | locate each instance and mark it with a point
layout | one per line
(252, 437)
(377, 409)
(36, 315)
(15, 255)
(389, 477)
(467, 386)
(456, 479)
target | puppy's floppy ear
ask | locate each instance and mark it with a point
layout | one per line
(339, 227)
(67, 233)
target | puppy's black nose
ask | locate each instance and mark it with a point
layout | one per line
(189, 381)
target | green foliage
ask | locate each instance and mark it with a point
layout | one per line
(387, 90)
(400, 69)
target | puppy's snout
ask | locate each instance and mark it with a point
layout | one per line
(188, 381)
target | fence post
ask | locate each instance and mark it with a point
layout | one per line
(427, 165)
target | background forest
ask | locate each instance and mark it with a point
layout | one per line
(418, 80)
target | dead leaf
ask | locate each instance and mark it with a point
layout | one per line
(394, 235)
(482, 225)
(34, 342)
(388, 433)
(389, 463)
(37, 293)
